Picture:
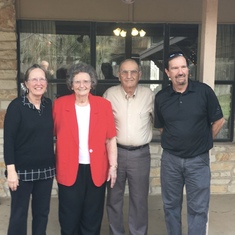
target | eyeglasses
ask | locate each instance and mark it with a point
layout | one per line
(84, 82)
(175, 54)
(124, 73)
(36, 80)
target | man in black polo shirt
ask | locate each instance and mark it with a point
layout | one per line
(189, 116)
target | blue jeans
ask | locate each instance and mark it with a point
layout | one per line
(194, 173)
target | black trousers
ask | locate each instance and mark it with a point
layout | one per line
(40, 190)
(81, 205)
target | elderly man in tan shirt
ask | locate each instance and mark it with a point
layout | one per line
(132, 106)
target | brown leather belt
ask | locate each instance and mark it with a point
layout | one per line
(132, 148)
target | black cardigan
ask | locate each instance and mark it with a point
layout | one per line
(28, 135)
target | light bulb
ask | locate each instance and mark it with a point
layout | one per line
(134, 32)
(123, 33)
(142, 33)
(117, 31)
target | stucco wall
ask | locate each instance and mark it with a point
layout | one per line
(222, 155)
(155, 11)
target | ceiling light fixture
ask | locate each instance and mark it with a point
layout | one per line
(134, 32)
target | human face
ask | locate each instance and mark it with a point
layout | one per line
(129, 74)
(178, 73)
(81, 84)
(37, 82)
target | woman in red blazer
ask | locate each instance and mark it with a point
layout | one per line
(86, 153)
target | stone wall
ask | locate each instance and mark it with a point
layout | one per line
(222, 158)
(8, 70)
(222, 155)
(222, 171)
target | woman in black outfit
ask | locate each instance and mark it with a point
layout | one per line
(29, 154)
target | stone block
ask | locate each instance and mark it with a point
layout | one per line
(2, 116)
(155, 182)
(212, 158)
(218, 148)
(221, 166)
(4, 104)
(2, 164)
(220, 181)
(225, 174)
(8, 36)
(8, 94)
(155, 148)
(155, 163)
(155, 172)
(227, 156)
(8, 74)
(8, 55)
(8, 84)
(8, 64)
(217, 189)
(215, 175)
(7, 16)
(8, 46)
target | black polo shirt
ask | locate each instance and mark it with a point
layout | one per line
(186, 119)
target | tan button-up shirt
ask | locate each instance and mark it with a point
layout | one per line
(133, 115)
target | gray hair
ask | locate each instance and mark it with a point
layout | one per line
(81, 68)
(132, 60)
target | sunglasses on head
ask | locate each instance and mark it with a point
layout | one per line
(175, 54)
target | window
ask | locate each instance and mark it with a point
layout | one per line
(225, 77)
(64, 43)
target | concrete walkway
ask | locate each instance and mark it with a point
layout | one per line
(221, 216)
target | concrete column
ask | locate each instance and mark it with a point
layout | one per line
(208, 46)
(208, 41)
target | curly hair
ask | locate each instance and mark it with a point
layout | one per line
(81, 68)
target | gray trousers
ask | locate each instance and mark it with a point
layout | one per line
(133, 167)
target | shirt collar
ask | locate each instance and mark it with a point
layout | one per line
(126, 95)
(190, 88)
(26, 102)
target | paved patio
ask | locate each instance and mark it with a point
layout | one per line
(221, 216)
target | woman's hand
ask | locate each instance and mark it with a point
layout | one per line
(111, 146)
(12, 178)
(112, 175)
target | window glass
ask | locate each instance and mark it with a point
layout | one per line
(52, 45)
(185, 38)
(224, 95)
(225, 51)
(225, 76)
(149, 50)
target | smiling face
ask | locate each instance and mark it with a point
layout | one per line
(129, 74)
(178, 72)
(81, 84)
(36, 82)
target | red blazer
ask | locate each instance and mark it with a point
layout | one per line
(102, 127)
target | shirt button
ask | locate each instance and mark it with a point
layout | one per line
(91, 150)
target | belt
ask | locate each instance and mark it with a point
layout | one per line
(131, 148)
